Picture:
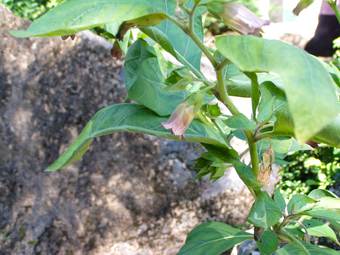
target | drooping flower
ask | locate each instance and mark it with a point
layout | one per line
(180, 119)
(238, 17)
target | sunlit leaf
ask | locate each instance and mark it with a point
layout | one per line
(212, 238)
(132, 118)
(310, 89)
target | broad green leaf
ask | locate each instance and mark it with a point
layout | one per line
(240, 122)
(73, 16)
(145, 82)
(239, 84)
(329, 202)
(280, 200)
(320, 193)
(247, 176)
(310, 89)
(332, 215)
(215, 161)
(335, 225)
(265, 212)
(272, 100)
(268, 243)
(212, 238)
(132, 118)
(300, 203)
(326, 207)
(283, 123)
(319, 229)
(295, 249)
(175, 41)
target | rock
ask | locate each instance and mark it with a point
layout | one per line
(131, 194)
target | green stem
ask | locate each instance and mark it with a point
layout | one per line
(223, 94)
(254, 157)
(255, 92)
(224, 97)
(202, 47)
(336, 10)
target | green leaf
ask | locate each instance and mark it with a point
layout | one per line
(283, 123)
(265, 212)
(212, 238)
(319, 193)
(280, 200)
(73, 16)
(319, 229)
(215, 161)
(212, 110)
(295, 249)
(327, 208)
(240, 122)
(310, 89)
(247, 176)
(145, 82)
(180, 41)
(299, 203)
(237, 83)
(281, 146)
(272, 100)
(133, 118)
(332, 215)
(268, 243)
(175, 41)
(303, 4)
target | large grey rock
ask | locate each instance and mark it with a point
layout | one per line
(131, 194)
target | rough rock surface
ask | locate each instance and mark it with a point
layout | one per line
(131, 194)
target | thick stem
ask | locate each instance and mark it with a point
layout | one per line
(224, 97)
(223, 94)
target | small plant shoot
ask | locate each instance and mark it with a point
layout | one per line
(295, 102)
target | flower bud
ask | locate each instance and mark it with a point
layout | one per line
(238, 17)
(303, 4)
(180, 119)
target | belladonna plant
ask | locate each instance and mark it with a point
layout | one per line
(295, 101)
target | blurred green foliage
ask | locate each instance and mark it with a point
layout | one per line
(310, 170)
(30, 9)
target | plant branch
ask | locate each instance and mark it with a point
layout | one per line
(333, 5)
(222, 94)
